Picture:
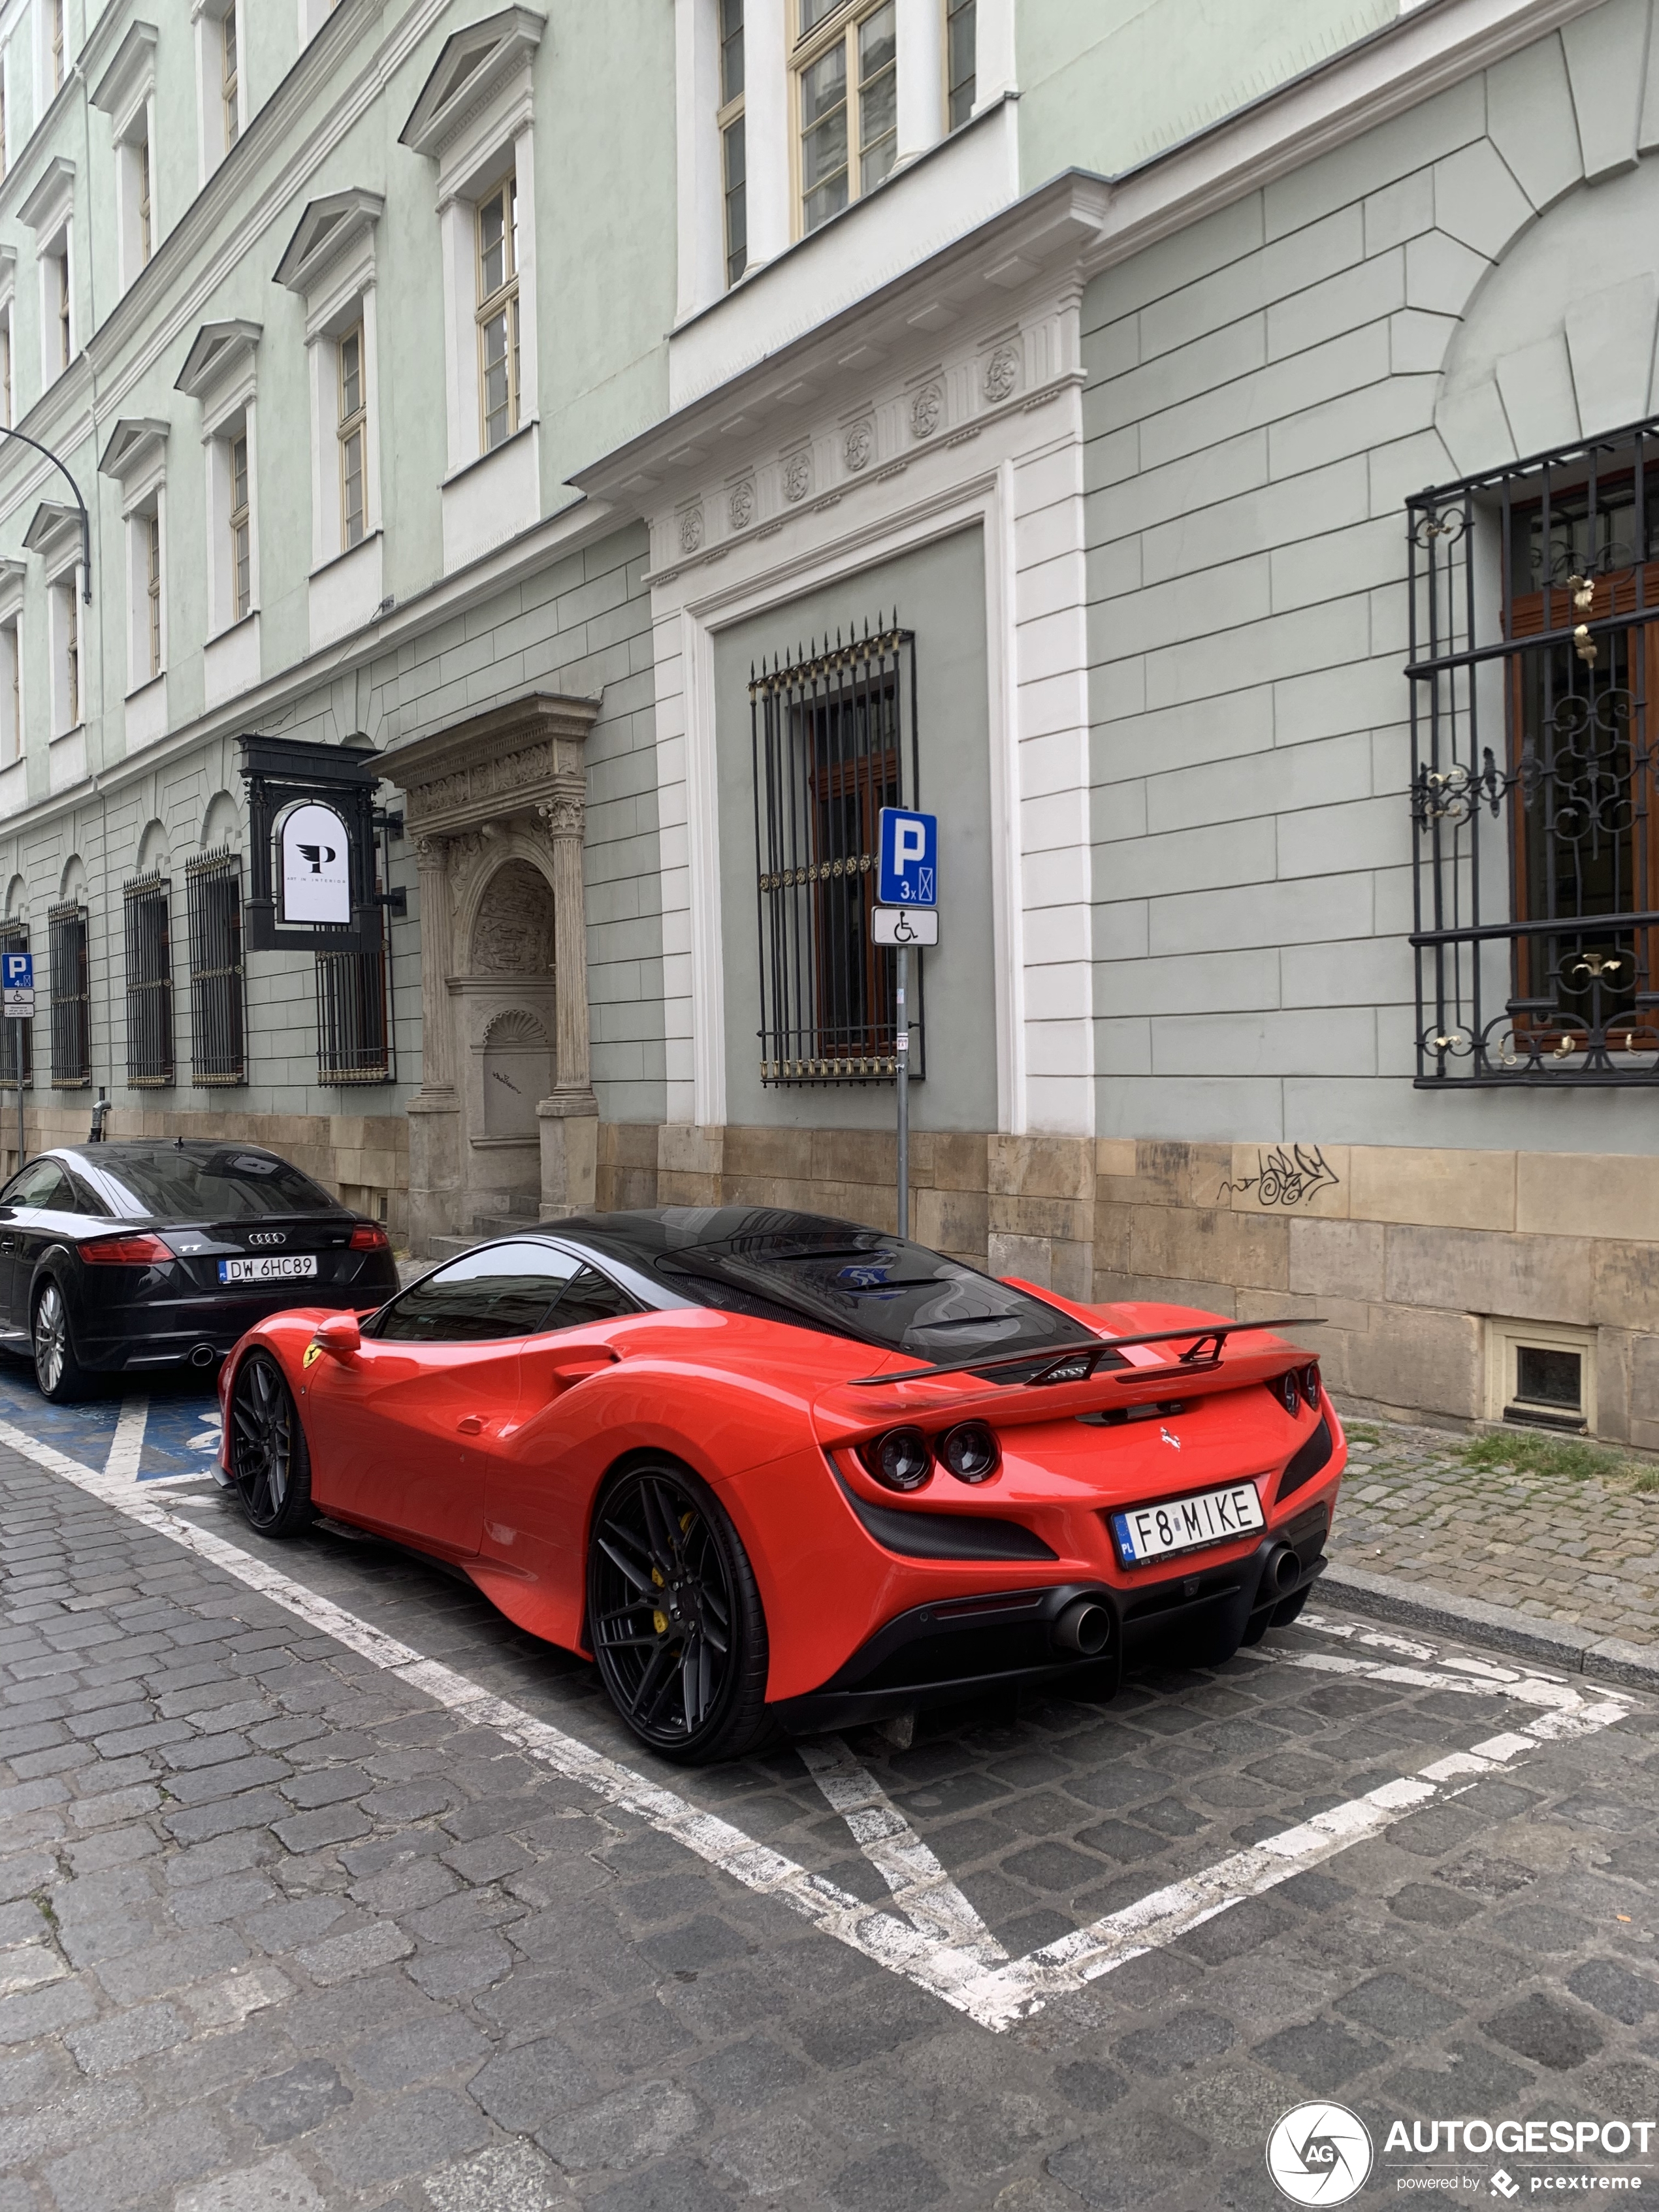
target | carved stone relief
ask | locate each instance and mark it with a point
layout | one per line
(513, 934)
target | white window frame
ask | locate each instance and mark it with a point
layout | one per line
(840, 26)
(476, 136)
(66, 631)
(213, 140)
(330, 264)
(49, 212)
(221, 372)
(14, 703)
(9, 408)
(126, 94)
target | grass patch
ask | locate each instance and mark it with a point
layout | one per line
(1361, 1432)
(1569, 1458)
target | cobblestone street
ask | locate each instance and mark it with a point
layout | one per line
(302, 1919)
(1581, 1549)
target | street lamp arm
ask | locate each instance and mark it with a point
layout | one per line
(86, 521)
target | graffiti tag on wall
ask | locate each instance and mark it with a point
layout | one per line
(1287, 1175)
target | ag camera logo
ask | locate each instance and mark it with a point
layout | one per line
(1320, 2153)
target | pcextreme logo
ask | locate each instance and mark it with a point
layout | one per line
(1320, 2153)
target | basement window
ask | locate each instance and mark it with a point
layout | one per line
(1542, 1377)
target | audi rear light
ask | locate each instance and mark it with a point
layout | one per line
(369, 1236)
(127, 1252)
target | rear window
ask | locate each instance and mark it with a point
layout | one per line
(226, 1185)
(882, 1290)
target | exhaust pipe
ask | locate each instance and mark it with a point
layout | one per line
(203, 1356)
(1084, 1627)
(1282, 1573)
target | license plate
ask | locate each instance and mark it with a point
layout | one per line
(283, 1267)
(1185, 1525)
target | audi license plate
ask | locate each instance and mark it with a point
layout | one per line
(273, 1268)
(1185, 1525)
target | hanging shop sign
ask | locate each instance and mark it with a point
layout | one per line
(311, 846)
(314, 877)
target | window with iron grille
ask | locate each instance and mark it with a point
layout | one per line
(354, 1034)
(1535, 665)
(15, 938)
(834, 741)
(71, 996)
(150, 983)
(218, 1042)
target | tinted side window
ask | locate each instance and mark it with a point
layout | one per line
(44, 1184)
(506, 1290)
(84, 1199)
(589, 1295)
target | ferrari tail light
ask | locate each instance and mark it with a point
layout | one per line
(126, 1252)
(369, 1236)
(1287, 1390)
(1310, 1379)
(970, 1451)
(900, 1459)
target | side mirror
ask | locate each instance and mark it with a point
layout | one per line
(339, 1335)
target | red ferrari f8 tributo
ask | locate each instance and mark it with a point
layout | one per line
(762, 1467)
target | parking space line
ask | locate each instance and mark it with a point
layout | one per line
(951, 1960)
(126, 1447)
(921, 1888)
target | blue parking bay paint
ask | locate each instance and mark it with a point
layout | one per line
(177, 1433)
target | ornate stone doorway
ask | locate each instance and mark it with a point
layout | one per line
(505, 1125)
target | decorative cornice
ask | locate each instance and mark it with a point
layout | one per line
(327, 229)
(53, 195)
(54, 531)
(516, 759)
(131, 73)
(474, 63)
(135, 442)
(217, 350)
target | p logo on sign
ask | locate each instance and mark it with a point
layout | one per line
(909, 858)
(19, 971)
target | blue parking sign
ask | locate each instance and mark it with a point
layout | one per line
(909, 858)
(19, 971)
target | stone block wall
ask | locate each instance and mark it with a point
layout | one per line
(362, 1158)
(1407, 1257)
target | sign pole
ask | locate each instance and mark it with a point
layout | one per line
(904, 1042)
(17, 1062)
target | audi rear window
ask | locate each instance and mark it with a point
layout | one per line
(882, 1290)
(226, 1185)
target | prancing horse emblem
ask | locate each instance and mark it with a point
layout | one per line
(1173, 1442)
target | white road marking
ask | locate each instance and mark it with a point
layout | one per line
(953, 1962)
(921, 1888)
(127, 1445)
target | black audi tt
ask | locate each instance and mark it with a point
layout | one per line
(125, 1258)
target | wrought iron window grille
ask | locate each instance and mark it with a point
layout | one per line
(218, 1026)
(834, 740)
(1532, 672)
(71, 996)
(145, 902)
(354, 1031)
(15, 938)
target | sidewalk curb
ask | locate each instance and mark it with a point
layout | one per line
(1420, 1605)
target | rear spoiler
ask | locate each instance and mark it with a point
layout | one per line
(1078, 1362)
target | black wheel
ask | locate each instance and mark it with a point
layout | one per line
(1283, 1614)
(269, 1466)
(59, 1373)
(674, 1619)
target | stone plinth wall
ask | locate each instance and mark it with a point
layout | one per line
(1410, 1256)
(358, 1157)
